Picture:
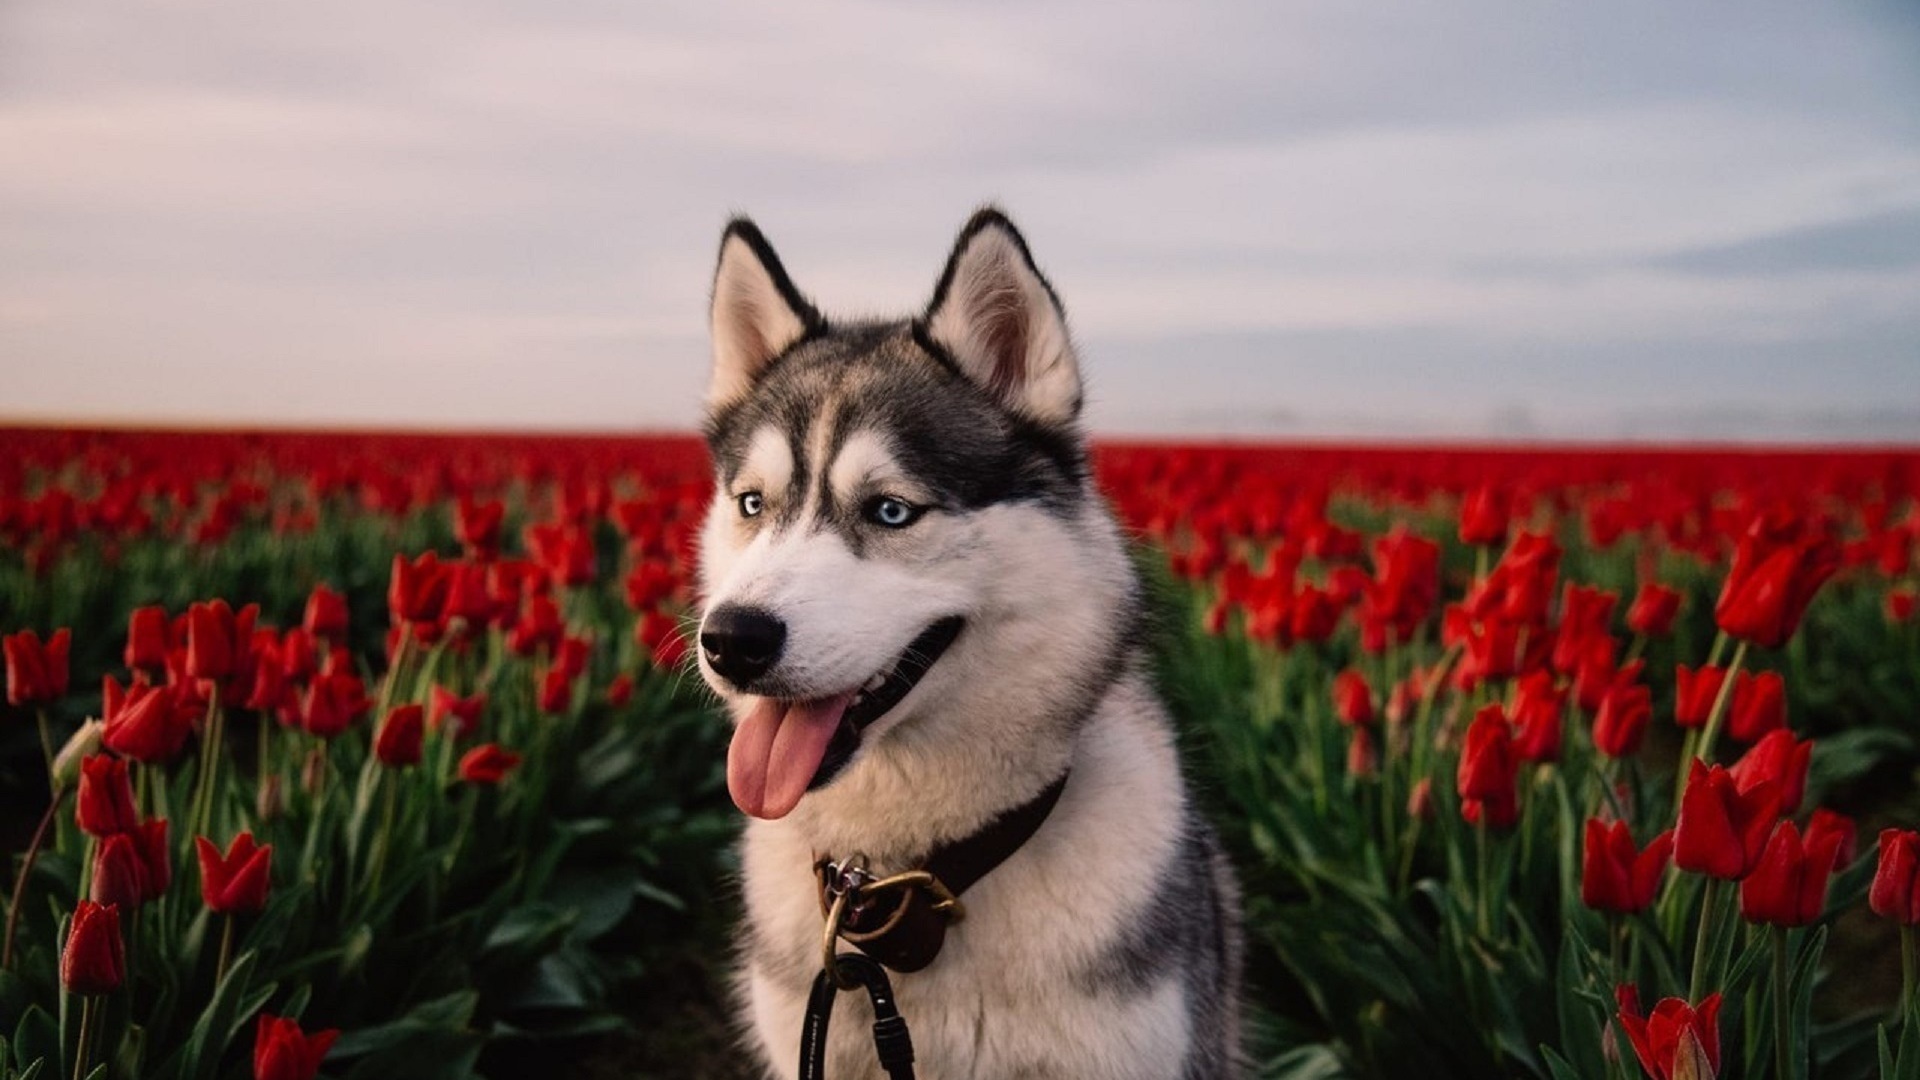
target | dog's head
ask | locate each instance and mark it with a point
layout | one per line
(907, 577)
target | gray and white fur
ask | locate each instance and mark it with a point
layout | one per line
(1108, 946)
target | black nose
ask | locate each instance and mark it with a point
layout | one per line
(741, 643)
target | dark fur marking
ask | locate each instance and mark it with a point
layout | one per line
(949, 432)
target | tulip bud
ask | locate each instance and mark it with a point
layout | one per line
(119, 873)
(1893, 895)
(281, 1051)
(401, 734)
(82, 744)
(95, 959)
(105, 804)
(487, 764)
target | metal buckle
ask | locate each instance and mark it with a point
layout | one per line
(851, 887)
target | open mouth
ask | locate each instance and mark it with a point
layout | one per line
(784, 749)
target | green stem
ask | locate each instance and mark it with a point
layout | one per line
(1720, 701)
(1484, 915)
(226, 949)
(1907, 971)
(210, 758)
(1783, 1055)
(46, 738)
(1634, 649)
(401, 654)
(1709, 910)
(89, 1015)
(389, 790)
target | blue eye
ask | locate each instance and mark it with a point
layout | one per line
(751, 503)
(889, 512)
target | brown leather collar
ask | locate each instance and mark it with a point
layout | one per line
(904, 926)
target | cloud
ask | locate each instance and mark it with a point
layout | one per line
(1888, 240)
(413, 212)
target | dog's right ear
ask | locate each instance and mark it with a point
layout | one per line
(757, 313)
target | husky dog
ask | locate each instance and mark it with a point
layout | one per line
(922, 617)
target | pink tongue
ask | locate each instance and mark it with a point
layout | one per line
(777, 749)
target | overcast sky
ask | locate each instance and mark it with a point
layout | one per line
(1640, 218)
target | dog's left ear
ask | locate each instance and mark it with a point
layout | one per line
(999, 320)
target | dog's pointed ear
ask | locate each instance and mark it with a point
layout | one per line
(999, 320)
(757, 313)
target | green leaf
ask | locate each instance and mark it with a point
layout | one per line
(233, 1004)
(1305, 1063)
(526, 933)
(1559, 1069)
(452, 1013)
(37, 1038)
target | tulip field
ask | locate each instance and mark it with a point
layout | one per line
(376, 755)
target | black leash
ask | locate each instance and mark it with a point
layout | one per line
(890, 1039)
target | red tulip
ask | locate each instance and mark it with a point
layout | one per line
(418, 589)
(1538, 707)
(1363, 757)
(1653, 610)
(235, 883)
(539, 626)
(1585, 614)
(147, 640)
(218, 639)
(1614, 875)
(1484, 515)
(1597, 673)
(650, 584)
(148, 723)
(150, 841)
(95, 959)
(1901, 604)
(1678, 1040)
(1313, 616)
(326, 616)
(487, 764)
(1759, 706)
(1893, 895)
(1723, 828)
(445, 705)
(281, 1051)
(1488, 770)
(477, 526)
(469, 598)
(332, 703)
(401, 733)
(119, 873)
(1777, 568)
(268, 686)
(620, 691)
(1789, 886)
(566, 551)
(1404, 590)
(556, 691)
(1694, 694)
(298, 659)
(1621, 722)
(36, 671)
(105, 803)
(1779, 759)
(572, 655)
(1420, 800)
(1352, 698)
